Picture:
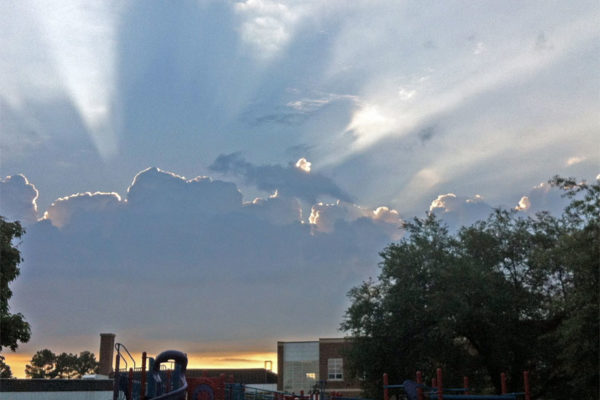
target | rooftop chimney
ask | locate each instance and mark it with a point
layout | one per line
(107, 345)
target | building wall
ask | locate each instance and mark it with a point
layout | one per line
(326, 349)
(56, 389)
(280, 366)
(335, 349)
(299, 363)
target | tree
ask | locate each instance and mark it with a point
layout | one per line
(46, 364)
(86, 364)
(503, 295)
(65, 368)
(14, 327)
(5, 371)
(42, 365)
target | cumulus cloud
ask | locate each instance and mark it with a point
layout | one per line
(18, 199)
(81, 205)
(303, 164)
(324, 217)
(288, 181)
(542, 197)
(524, 204)
(180, 252)
(276, 209)
(458, 211)
(154, 188)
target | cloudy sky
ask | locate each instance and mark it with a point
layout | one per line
(214, 176)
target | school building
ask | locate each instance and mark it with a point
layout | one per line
(315, 365)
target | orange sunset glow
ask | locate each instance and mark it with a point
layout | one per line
(17, 361)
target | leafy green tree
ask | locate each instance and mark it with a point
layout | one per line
(43, 364)
(86, 364)
(503, 295)
(14, 327)
(46, 364)
(576, 259)
(5, 371)
(65, 368)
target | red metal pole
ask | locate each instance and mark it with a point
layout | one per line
(302, 394)
(439, 382)
(526, 384)
(130, 382)
(503, 382)
(420, 382)
(466, 384)
(386, 391)
(143, 379)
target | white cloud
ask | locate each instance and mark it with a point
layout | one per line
(323, 217)
(575, 160)
(308, 104)
(303, 165)
(458, 211)
(268, 25)
(406, 94)
(442, 202)
(524, 204)
(369, 124)
(542, 197)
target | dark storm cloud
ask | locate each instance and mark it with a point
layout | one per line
(289, 180)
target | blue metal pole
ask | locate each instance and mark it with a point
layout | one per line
(151, 381)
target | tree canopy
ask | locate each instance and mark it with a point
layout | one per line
(504, 295)
(46, 364)
(5, 371)
(14, 327)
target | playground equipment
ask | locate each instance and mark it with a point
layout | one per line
(162, 382)
(174, 386)
(416, 390)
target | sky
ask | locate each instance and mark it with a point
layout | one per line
(214, 176)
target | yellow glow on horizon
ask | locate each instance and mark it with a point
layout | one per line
(232, 360)
(17, 361)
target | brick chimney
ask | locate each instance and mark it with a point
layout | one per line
(107, 345)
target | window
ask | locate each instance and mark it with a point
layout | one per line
(300, 366)
(335, 369)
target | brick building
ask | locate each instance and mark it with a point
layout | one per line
(305, 366)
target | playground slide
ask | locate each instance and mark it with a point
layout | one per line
(180, 359)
